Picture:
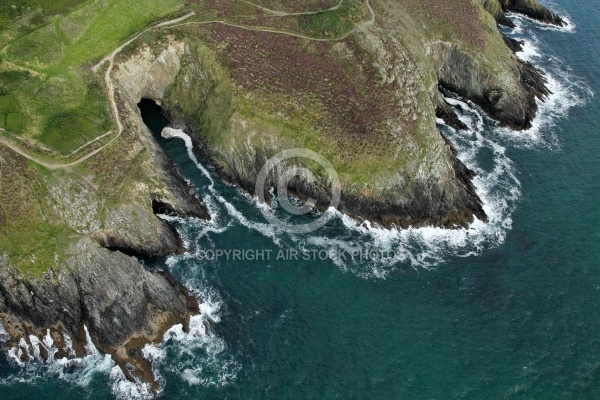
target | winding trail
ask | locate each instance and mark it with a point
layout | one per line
(356, 28)
(110, 58)
(111, 97)
(288, 14)
(96, 139)
(109, 85)
(51, 165)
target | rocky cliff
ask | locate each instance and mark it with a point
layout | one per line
(367, 103)
(121, 305)
(364, 93)
(91, 219)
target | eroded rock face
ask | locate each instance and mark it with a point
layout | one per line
(157, 240)
(530, 8)
(148, 75)
(124, 306)
(97, 284)
(107, 291)
(509, 97)
(534, 10)
(433, 188)
(204, 87)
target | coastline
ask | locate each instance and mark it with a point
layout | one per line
(461, 171)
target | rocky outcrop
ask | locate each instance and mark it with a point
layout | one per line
(121, 305)
(451, 203)
(95, 287)
(510, 97)
(128, 229)
(150, 72)
(445, 198)
(244, 96)
(497, 11)
(99, 286)
(160, 239)
(531, 8)
(181, 198)
(198, 87)
(444, 111)
(513, 44)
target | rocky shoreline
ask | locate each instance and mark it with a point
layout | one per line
(105, 292)
(535, 11)
(103, 286)
(529, 8)
(517, 116)
(454, 204)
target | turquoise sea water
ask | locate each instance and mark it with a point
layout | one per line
(505, 310)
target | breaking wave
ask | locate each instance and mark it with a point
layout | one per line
(200, 354)
(483, 148)
(203, 358)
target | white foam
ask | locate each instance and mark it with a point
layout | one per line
(34, 349)
(127, 390)
(69, 345)
(523, 22)
(4, 336)
(426, 247)
(50, 347)
(201, 354)
(15, 354)
(77, 371)
(497, 186)
(567, 91)
(178, 133)
(530, 51)
(207, 351)
(169, 132)
(90, 348)
(192, 376)
(457, 102)
(203, 357)
(265, 229)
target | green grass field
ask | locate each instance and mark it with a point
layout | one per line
(49, 94)
(47, 91)
(345, 99)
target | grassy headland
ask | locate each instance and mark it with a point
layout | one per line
(319, 74)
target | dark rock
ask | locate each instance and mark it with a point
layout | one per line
(108, 292)
(534, 10)
(187, 203)
(100, 287)
(460, 73)
(444, 111)
(513, 44)
(452, 204)
(502, 19)
(159, 243)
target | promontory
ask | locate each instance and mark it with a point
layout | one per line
(82, 179)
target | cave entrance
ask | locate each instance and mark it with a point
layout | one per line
(153, 116)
